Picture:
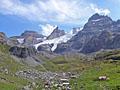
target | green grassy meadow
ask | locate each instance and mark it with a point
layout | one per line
(104, 63)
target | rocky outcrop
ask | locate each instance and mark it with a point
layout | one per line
(56, 33)
(3, 38)
(22, 52)
(26, 55)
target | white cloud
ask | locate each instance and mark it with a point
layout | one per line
(99, 10)
(61, 11)
(47, 29)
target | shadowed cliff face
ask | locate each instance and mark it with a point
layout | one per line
(22, 52)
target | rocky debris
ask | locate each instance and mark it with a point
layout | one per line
(59, 80)
(30, 86)
(47, 76)
(56, 33)
(3, 38)
(3, 79)
(34, 74)
(4, 70)
(22, 51)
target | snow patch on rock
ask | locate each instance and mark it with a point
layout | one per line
(56, 41)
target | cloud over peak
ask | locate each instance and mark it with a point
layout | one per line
(47, 29)
(60, 11)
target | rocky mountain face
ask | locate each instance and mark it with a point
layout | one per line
(56, 37)
(31, 37)
(26, 55)
(3, 38)
(56, 33)
(96, 43)
(28, 38)
(100, 32)
(22, 52)
(98, 23)
(12, 41)
(31, 33)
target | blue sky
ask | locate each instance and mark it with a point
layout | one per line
(16, 16)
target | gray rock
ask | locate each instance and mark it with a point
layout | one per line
(22, 51)
(56, 33)
(3, 38)
(100, 32)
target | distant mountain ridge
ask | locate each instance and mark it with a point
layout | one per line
(100, 32)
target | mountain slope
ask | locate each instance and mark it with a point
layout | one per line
(56, 41)
(94, 36)
(56, 33)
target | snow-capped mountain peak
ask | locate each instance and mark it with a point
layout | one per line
(56, 41)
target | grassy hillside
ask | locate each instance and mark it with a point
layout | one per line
(105, 63)
(9, 81)
(89, 68)
(88, 79)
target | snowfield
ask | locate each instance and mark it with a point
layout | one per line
(56, 41)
